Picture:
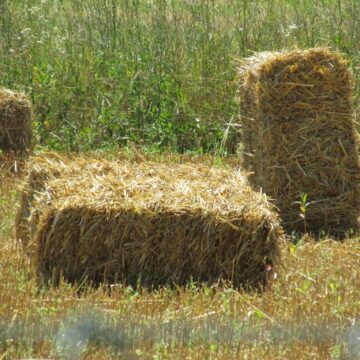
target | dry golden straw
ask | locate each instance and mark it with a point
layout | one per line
(150, 223)
(15, 122)
(40, 171)
(298, 136)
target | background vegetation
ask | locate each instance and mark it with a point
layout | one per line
(159, 73)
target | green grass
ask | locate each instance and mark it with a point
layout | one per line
(311, 311)
(157, 73)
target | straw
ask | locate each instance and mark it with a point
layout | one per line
(299, 138)
(15, 122)
(151, 224)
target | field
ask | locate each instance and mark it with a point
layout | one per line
(311, 312)
(159, 76)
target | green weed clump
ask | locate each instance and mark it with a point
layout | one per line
(157, 73)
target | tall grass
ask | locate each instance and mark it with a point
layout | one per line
(157, 73)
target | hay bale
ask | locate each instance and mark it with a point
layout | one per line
(41, 169)
(298, 136)
(15, 122)
(157, 223)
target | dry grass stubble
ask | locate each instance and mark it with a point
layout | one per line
(311, 312)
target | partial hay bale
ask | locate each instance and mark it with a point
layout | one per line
(298, 137)
(12, 165)
(15, 122)
(41, 169)
(155, 223)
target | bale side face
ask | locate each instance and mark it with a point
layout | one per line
(158, 224)
(299, 137)
(162, 249)
(15, 122)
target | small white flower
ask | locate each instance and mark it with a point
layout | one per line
(25, 31)
(293, 27)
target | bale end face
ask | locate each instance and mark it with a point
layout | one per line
(25, 222)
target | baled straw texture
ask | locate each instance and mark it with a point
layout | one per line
(15, 122)
(298, 136)
(40, 171)
(154, 223)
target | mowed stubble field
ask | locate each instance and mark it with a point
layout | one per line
(161, 74)
(311, 311)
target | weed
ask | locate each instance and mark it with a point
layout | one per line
(303, 204)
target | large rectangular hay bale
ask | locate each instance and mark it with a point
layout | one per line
(299, 137)
(15, 122)
(157, 223)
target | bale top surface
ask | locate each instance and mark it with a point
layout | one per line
(147, 185)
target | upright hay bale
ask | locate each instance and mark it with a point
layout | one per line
(15, 122)
(298, 137)
(157, 223)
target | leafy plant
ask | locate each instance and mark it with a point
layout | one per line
(303, 205)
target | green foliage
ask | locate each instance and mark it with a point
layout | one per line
(156, 73)
(303, 204)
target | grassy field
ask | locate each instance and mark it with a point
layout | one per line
(158, 73)
(311, 312)
(106, 74)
